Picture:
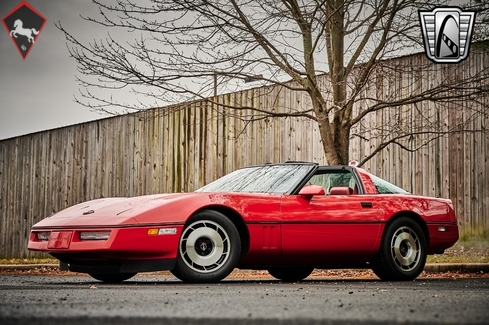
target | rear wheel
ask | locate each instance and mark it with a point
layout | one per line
(402, 254)
(113, 278)
(290, 274)
(209, 248)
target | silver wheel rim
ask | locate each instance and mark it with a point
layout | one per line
(405, 249)
(205, 246)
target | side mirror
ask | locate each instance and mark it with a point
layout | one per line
(309, 191)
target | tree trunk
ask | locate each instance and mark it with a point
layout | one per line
(340, 126)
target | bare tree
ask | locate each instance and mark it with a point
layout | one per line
(181, 46)
(481, 26)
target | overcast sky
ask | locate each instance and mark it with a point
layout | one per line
(37, 94)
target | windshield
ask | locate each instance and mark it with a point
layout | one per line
(384, 187)
(278, 179)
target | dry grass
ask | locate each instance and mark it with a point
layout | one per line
(475, 250)
(5, 261)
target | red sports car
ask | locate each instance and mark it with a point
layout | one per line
(285, 218)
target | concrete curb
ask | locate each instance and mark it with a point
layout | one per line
(457, 267)
(429, 268)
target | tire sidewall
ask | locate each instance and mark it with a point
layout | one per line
(187, 274)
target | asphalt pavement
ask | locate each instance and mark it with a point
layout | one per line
(148, 299)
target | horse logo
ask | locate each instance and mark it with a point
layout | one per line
(19, 29)
(24, 38)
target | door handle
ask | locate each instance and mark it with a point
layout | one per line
(366, 204)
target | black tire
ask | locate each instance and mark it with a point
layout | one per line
(177, 274)
(402, 253)
(209, 248)
(290, 274)
(113, 278)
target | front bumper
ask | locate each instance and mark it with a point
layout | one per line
(128, 249)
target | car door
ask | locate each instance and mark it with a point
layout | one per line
(330, 228)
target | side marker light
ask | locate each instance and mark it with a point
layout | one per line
(162, 231)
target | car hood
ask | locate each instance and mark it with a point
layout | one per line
(113, 211)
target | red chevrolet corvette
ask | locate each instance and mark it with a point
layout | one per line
(285, 218)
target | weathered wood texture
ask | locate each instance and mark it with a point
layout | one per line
(159, 151)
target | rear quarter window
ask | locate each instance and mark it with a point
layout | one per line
(384, 187)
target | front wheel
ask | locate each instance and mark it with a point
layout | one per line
(402, 253)
(209, 248)
(112, 278)
(290, 274)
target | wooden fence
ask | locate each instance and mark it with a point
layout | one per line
(159, 151)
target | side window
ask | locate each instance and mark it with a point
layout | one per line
(328, 180)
